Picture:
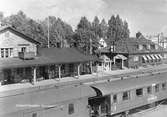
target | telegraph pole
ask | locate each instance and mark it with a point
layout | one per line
(90, 54)
(49, 7)
(48, 33)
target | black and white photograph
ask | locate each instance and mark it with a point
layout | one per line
(83, 58)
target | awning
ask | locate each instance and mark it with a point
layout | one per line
(160, 56)
(153, 57)
(156, 56)
(104, 58)
(144, 57)
(119, 56)
(149, 58)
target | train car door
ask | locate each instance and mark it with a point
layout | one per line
(100, 106)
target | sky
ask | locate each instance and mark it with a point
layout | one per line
(146, 16)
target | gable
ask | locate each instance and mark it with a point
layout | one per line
(10, 39)
(17, 33)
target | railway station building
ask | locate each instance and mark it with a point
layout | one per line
(131, 53)
(22, 60)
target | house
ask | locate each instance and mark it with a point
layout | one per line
(12, 42)
(22, 60)
(134, 52)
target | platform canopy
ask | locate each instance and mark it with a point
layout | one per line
(105, 58)
(119, 56)
(48, 56)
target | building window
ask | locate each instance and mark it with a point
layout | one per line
(156, 47)
(2, 53)
(145, 46)
(157, 88)
(140, 47)
(139, 92)
(149, 90)
(152, 47)
(126, 95)
(19, 71)
(34, 115)
(163, 86)
(115, 98)
(148, 46)
(11, 51)
(6, 52)
(136, 58)
(70, 109)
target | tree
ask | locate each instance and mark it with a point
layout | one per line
(84, 36)
(138, 35)
(59, 31)
(103, 28)
(117, 29)
(96, 27)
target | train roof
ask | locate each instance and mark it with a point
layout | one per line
(128, 84)
(52, 96)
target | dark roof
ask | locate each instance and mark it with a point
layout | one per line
(129, 45)
(128, 84)
(48, 56)
(5, 28)
(53, 97)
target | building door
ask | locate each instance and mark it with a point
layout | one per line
(23, 49)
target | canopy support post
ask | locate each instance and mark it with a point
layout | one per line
(34, 75)
(79, 69)
(59, 66)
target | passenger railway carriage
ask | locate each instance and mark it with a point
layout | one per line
(105, 99)
(68, 101)
(129, 95)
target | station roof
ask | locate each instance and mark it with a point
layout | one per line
(117, 86)
(48, 56)
(56, 96)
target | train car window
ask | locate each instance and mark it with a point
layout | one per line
(115, 98)
(70, 109)
(157, 88)
(126, 95)
(163, 86)
(149, 90)
(139, 92)
(34, 115)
